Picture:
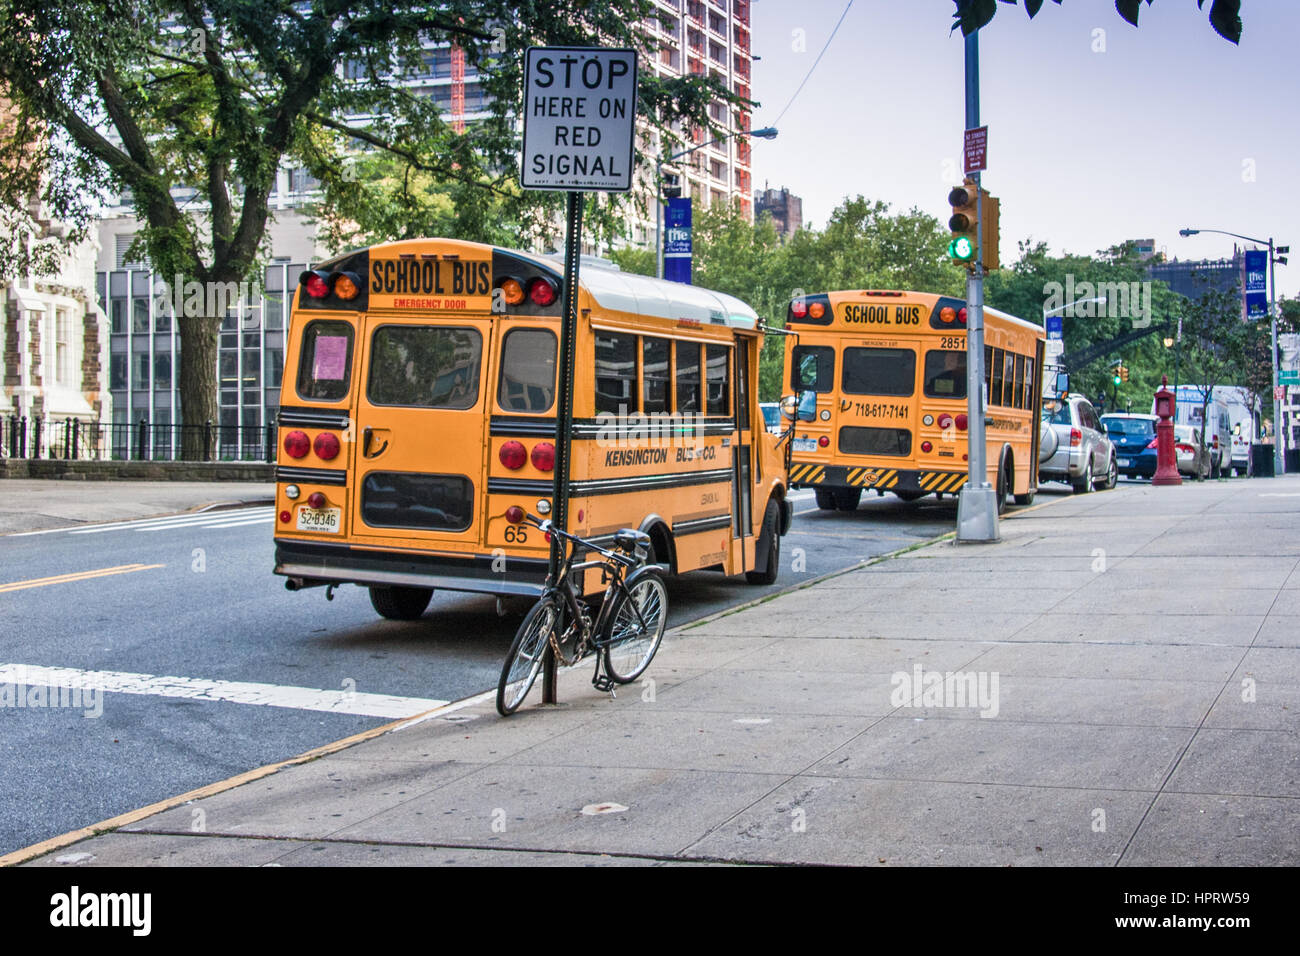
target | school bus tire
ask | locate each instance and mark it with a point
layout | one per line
(910, 496)
(825, 498)
(400, 603)
(1006, 479)
(769, 547)
(847, 499)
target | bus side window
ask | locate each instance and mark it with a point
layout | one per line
(718, 388)
(1018, 396)
(688, 378)
(655, 375)
(615, 373)
(995, 395)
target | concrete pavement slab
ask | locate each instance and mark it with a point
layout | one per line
(853, 822)
(866, 656)
(146, 849)
(1274, 665)
(532, 805)
(1235, 630)
(792, 692)
(1259, 706)
(1261, 763)
(1279, 630)
(1137, 661)
(370, 854)
(1186, 829)
(1080, 756)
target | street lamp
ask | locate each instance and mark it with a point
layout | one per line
(1279, 468)
(767, 132)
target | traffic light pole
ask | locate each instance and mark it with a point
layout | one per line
(977, 507)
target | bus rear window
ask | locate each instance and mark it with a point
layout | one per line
(879, 372)
(527, 371)
(424, 366)
(945, 374)
(325, 362)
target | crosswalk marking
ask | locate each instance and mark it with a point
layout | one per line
(236, 692)
(231, 518)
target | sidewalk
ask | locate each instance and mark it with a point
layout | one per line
(1141, 692)
(36, 504)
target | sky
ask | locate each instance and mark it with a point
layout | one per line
(1098, 132)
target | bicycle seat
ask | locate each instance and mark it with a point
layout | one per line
(630, 541)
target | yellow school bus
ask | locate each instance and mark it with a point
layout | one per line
(418, 423)
(889, 372)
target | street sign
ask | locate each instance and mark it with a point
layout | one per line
(1289, 376)
(677, 240)
(1279, 393)
(579, 119)
(975, 147)
(1054, 348)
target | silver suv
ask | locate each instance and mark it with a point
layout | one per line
(1073, 447)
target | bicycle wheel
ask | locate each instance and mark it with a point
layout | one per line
(524, 660)
(635, 625)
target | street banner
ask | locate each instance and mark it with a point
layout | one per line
(579, 119)
(1256, 284)
(1055, 326)
(677, 240)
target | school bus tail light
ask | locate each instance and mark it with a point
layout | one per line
(315, 500)
(347, 285)
(515, 514)
(512, 290)
(824, 442)
(326, 446)
(513, 454)
(945, 420)
(799, 308)
(543, 456)
(297, 444)
(317, 283)
(961, 316)
(543, 291)
(926, 447)
(961, 422)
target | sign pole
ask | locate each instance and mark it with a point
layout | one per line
(977, 510)
(564, 410)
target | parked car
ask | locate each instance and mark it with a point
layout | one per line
(771, 416)
(1134, 438)
(1193, 457)
(1073, 447)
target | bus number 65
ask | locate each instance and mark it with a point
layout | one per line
(516, 534)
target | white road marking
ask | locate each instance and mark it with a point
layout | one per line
(212, 519)
(1280, 494)
(235, 692)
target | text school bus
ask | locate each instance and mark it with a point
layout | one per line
(417, 424)
(889, 372)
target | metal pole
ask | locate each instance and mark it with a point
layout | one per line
(659, 220)
(977, 510)
(564, 411)
(1279, 434)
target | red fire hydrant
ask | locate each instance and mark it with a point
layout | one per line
(1166, 457)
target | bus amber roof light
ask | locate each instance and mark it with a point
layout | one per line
(948, 314)
(347, 286)
(512, 290)
(816, 310)
(543, 292)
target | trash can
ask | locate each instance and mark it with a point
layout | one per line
(1261, 461)
(1292, 460)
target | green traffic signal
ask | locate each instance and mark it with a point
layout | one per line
(1116, 379)
(962, 249)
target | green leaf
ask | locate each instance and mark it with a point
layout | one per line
(973, 14)
(1033, 6)
(1128, 9)
(1225, 17)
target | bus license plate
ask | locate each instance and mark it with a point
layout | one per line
(1125, 462)
(805, 444)
(319, 519)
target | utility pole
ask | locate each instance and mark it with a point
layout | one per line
(977, 507)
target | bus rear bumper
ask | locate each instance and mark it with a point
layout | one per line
(311, 564)
(899, 480)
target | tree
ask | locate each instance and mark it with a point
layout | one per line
(1216, 343)
(1225, 15)
(139, 98)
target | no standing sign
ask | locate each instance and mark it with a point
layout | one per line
(579, 116)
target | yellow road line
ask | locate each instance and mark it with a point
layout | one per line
(76, 576)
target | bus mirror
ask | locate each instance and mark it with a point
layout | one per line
(808, 370)
(807, 405)
(789, 407)
(1062, 382)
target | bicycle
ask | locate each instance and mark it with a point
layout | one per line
(625, 634)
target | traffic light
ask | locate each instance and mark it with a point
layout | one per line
(1123, 373)
(1116, 378)
(989, 232)
(963, 223)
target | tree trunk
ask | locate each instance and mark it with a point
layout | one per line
(198, 385)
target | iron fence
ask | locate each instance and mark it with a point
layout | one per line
(73, 439)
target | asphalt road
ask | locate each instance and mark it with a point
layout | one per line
(192, 598)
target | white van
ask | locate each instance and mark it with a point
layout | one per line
(1218, 425)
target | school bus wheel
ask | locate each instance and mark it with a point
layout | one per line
(398, 603)
(825, 498)
(769, 536)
